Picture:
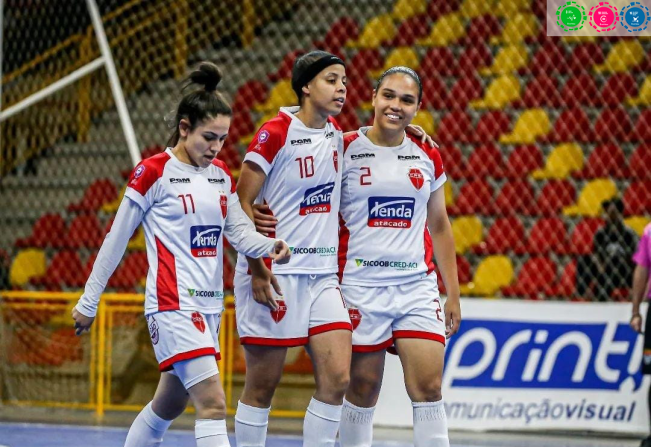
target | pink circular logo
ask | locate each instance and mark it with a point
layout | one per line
(604, 17)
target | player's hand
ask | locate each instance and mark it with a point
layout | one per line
(265, 222)
(82, 322)
(419, 132)
(636, 323)
(281, 252)
(261, 283)
(452, 316)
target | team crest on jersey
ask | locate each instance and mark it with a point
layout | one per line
(390, 212)
(139, 171)
(198, 321)
(416, 178)
(317, 199)
(335, 159)
(204, 240)
(153, 330)
(279, 313)
(223, 203)
(263, 136)
(355, 316)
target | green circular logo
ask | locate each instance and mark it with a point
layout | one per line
(571, 16)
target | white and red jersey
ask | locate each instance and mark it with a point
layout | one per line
(384, 238)
(302, 189)
(185, 217)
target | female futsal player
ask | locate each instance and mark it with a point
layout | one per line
(186, 200)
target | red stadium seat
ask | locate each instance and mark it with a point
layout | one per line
(481, 29)
(583, 235)
(358, 91)
(348, 119)
(548, 235)
(566, 285)
(99, 193)
(618, 87)
(474, 57)
(454, 162)
(640, 162)
(438, 62)
(435, 93)
(132, 270)
(285, 69)
(490, 126)
(523, 160)
(411, 30)
(505, 235)
(48, 231)
(585, 56)
(637, 198)
(454, 127)
(249, 94)
(580, 90)
(241, 125)
(230, 155)
(84, 232)
(438, 8)
(463, 91)
(343, 29)
(606, 160)
(65, 270)
(541, 91)
(485, 161)
(88, 267)
(613, 125)
(642, 129)
(515, 197)
(554, 196)
(464, 273)
(363, 61)
(573, 125)
(550, 59)
(151, 151)
(534, 276)
(475, 197)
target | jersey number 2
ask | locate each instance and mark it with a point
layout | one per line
(185, 206)
(362, 178)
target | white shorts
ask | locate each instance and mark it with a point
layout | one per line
(380, 315)
(182, 335)
(311, 304)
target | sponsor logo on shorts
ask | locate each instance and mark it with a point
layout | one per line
(416, 178)
(317, 199)
(361, 156)
(397, 265)
(279, 313)
(153, 330)
(390, 212)
(204, 240)
(205, 293)
(355, 316)
(321, 251)
(198, 321)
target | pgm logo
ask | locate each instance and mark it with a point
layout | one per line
(179, 180)
(329, 134)
(397, 265)
(507, 354)
(317, 199)
(205, 293)
(217, 180)
(391, 212)
(204, 240)
(408, 157)
(301, 141)
(361, 156)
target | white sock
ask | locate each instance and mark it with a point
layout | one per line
(430, 424)
(321, 424)
(251, 425)
(356, 428)
(147, 429)
(211, 433)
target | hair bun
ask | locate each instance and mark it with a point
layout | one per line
(208, 75)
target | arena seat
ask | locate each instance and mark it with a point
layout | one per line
(637, 223)
(449, 194)
(463, 91)
(471, 9)
(542, 91)
(622, 57)
(492, 274)
(474, 58)
(438, 62)
(402, 56)
(585, 56)
(591, 197)
(605, 160)
(377, 31)
(618, 89)
(46, 232)
(523, 160)
(249, 94)
(358, 91)
(566, 285)
(547, 235)
(455, 126)
(435, 92)
(550, 59)
(531, 125)
(447, 30)
(475, 197)
(582, 237)
(464, 273)
(518, 28)
(28, 263)
(281, 95)
(489, 128)
(515, 197)
(507, 234)
(84, 232)
(573, 124)
(481, 29)
(507, 8)
(340, 32)
(644, 96)
(485, 161)
(241, 125)
(137, 241)
(640, 162)
(438, 8)
(534, 276)
(554, 196)
(133, 268)
(65, 270)
(98, 193)
(410, 31)
(642, 128)
(404, 9)
(613, 124)
(425, 119)
(348, 119)
(365, 60)
(501, 91)
(580, 90)
(285, 69)
(467, 232)
(453, 161)
(637, 198)
(509, 59)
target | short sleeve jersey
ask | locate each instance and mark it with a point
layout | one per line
(642, 256)
(302, 189)
(384, 238)
(185, 212)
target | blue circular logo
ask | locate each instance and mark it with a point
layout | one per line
(635, 17)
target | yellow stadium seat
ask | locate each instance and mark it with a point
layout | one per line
(509, 59)
(27, 264)
(591, 198)
(531, 125)
(446, 31)
(400, 56)
(467, 232)
(508, 8)
(425, 120)
(578, 39)
(519, 27)
(405, 9)
(138, 242)
(449, 194)
(623, 56)
(644, 97)
(112, 207)
(637, 223)
(377, 31)
(281, 95)
(499, 93)
(470, 9)
(493, 273)
(564, 159)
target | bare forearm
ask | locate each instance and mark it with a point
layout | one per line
(445, 255)
(640, 282)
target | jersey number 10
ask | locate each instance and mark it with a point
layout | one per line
(306, 166)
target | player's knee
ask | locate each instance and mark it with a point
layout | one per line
(335, 383)
(365, 386)
(427, 391)
(260, 392)
(211, 407)
(169, 409)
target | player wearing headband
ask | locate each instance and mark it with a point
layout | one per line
(294, 166)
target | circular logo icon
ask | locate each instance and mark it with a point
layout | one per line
(635, 17)
(264, 136)
(570, 16)
(139, 170)
(603, 17)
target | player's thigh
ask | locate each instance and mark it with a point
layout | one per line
(208, 398)
(331, 353)
(170, 398)
(264, 366)
(366, 372)
(422, 363)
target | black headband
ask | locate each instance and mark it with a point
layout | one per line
(312, 70)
